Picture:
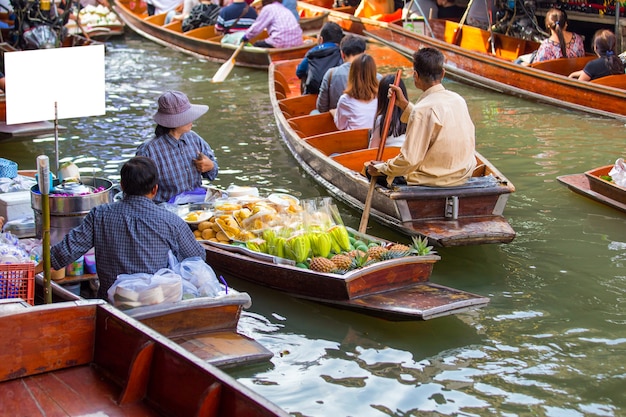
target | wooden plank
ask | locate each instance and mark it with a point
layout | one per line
(340, 141)
(138, 375)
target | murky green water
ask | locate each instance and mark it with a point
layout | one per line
(552, 342)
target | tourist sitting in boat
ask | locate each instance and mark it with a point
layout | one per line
(561, 43)
(283, 28)
(336, 79)
(397, 128)
(319, 59)
(182, 156)
(161, 6)
(607, 63)
(356, 107)
(129, 236)
(236, 17)
(439, 149)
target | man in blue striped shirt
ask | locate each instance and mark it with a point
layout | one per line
(129, 236)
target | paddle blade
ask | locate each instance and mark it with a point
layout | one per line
(227, 67)
(224, 71)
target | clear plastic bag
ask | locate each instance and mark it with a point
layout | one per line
(197, 272)
(136, 290)
(618, 172)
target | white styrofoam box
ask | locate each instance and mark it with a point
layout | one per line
(15, 205)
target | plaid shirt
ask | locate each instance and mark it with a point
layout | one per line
(129, 236)
(282, 26)
(174, 159)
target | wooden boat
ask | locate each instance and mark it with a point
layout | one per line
(448, 216)
(204, 42)
(88, 358)
(206, 327)
(396, 289)
(472, 62)
(593, 184)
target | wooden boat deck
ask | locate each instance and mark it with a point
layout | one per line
(87, 358)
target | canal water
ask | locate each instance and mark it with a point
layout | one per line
(552, 341)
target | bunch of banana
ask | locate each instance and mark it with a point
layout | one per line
(257, 245)
(298, 247)
(321, 243)
(340, 238)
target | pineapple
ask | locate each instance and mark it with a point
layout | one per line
(355, 253)
(360, 260)
(341, 261)
(375, 252)
(420, 246)
(321, 264)
(399, 247)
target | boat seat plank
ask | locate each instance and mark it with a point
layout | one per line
(75, 347)
(563, 66)
(356, 160)
(157, 19)
(617, 81)
(211, 401)
(175, 26)
(315, 124)
(138, 375)
(224, 348)
(203, 32)
(340, 141)
(298, 105)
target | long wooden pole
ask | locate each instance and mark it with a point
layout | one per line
(43, 181)
(227, 67)
(379, 155)
(456, 38)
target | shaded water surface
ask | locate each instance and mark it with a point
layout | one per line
(552, 342)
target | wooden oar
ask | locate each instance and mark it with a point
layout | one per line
(379, 155)
(456, 38)
(227, 66)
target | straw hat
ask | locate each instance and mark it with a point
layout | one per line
(175, 110)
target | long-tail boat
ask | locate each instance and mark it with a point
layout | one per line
(474, 59)
(204, 42)
(87, 358)
(448, 216)
(598, 185)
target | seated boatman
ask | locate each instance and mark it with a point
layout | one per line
(129, 236)
(439, 149)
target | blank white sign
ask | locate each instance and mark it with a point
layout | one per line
(71, 77)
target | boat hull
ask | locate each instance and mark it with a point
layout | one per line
(589, 184)
(395, 290)
(203, 42)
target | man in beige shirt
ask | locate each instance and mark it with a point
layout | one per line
(440, 142)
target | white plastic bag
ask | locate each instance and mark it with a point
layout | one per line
(618, 172)
(136, 290)
(199, 273)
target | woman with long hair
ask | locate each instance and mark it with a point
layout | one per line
(397, 129)
(357, 105)
(607, 63)
(561, 43)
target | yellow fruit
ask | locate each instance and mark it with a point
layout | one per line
(197, 233)
(204, 225)
(192, 217)
(221, 236)
(208, 234)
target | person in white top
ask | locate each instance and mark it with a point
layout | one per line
(397, 129)
(356, 107)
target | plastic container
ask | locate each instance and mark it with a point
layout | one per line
(18, 281)
(90, 263)
(76, 268)
(8, 169)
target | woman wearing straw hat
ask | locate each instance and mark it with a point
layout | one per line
(182, 156)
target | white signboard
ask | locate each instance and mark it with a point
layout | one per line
(71, 77)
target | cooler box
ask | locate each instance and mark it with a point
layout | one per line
(15, 205)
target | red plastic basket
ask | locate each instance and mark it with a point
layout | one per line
(18, 281)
